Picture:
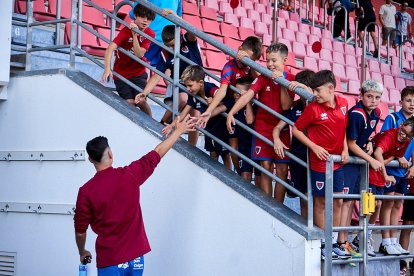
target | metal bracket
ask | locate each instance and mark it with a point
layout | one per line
(66, 155)
(36, 208)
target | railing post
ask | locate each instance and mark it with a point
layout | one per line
(58, 12)
(176, 76)
(310, 195)
(313, 12)
(328, 214)
(79, 40)
(275, 19)
(363, 221)
(72, 35)
(29, 14)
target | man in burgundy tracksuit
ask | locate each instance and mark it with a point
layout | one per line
(110, 203)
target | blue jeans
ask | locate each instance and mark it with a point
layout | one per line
(132, 268)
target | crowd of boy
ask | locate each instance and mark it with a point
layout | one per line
(324, 127)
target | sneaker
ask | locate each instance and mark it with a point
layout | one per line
(323, 253)
(352, 249)
(340, 251)
(370, 248)
(355, 242)
(389, 250)
(402, 250)
(375, 54)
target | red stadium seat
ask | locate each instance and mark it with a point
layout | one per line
(261, 8)
(302, 38)
(289, 35)
(232, 19)
(215, 60)
(316, 31)
(324, 65)
(338, 58)
(89, 41)
(212, 4)
(310, 63)
(353, 87)
(245, 32)
(287, 43)
(267, 18)
(374, 66)
(248, 5)
(232, 43)
(385, 68)
(352, 73)
(313, 38)
(193, 20)
(350, 99)
(385, 96)
(210, 26)
(395, 96)
(267, 40)
(349, 49)
(339, 71)
(304, 28)
(254, 15)
(225, 8)
(327, 44)
(383, 106)
(247, 23)
(376, 76)
(350, 60)
(207, 12)
(106, 33)
(190, 8)
(299, 49)
(399, 83)
(229, 30)
(389, 82)
(311, 53)
(395, 70)
(240, 12)
(282, 14)
(106, 4)
(292, 25)
(338, 47)
(93, 16)
(211, 47)
(294, 17)
(260, 28)
(326, 55)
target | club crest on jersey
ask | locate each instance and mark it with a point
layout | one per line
(141, 39)
(320, 185)
(388, 184)
(184, 49)
(237, 76)
(267, 88)
(130, 39)
(343, 109)
(373, 122)
(257, 149)
(240, 163)
(198, 105)
(324, 116)
(346, 190)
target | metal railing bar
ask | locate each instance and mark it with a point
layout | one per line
(39, 23)
(48, 48)
(19, 23)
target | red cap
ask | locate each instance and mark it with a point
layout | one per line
(316, 46)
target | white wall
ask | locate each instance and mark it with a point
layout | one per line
(5, 45)
(196, 224)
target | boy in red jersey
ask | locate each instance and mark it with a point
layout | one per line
(325, 121)
(126, 66)
(233, 70)
(389, 145)
(277, 98)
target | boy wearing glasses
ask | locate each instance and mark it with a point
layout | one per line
(397, 182)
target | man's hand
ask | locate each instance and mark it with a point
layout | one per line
(410, 173)
(85, 254)
(320, 152)
(167, 129)
(106, 74)
(230, 123)
(140, 98)
(279, 148)
(203, 119)
(188, 124)
(209, 100)
(133, 25)
(376, 165)
(403, 162)
(344, 156)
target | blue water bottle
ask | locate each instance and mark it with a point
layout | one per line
(83, 267)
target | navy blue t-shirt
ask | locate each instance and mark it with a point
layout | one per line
(296, 147)
(189, 49)
(217, 124)
(361, 124)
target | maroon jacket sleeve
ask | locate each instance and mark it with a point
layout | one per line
(83, 214)
(144, 167)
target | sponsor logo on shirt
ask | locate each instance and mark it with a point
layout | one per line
(388, 184)
(343, 109)
(372, 123)
(324, 116)
(141, 39)
(237, 76)
(257, 149)
(320, 185)
(267, 88)
(130, 39)
(346, 190)
(240, 163)
(123, 266)
(184, 49)
(198, 105)
(298, 113)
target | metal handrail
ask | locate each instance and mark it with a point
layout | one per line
(394, 30)
(334, 12)
(365, 44)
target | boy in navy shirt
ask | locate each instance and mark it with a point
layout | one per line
(390, 209)
(362, 121)
(298, 173)
(193, 78)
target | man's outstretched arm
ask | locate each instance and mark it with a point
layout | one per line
(185, 125)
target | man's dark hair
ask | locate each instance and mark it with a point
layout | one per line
(168, 33)
(96, 148)
(323, 77)
(245, 81)
(278, 47)
(253, 44)
(305, 77)
(408, 90)
(141, 11)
